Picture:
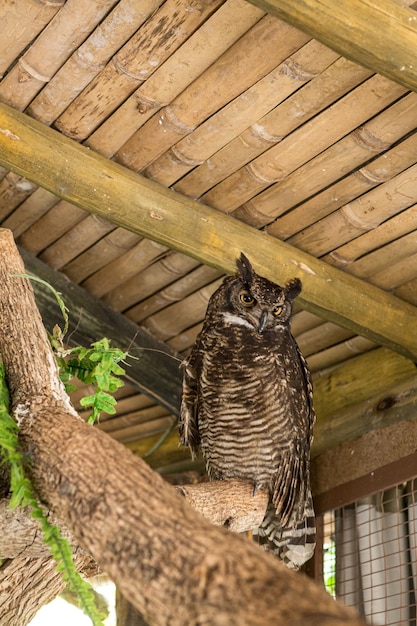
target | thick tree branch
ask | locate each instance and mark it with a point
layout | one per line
(171, 563)
(230, 503)
(28, 583)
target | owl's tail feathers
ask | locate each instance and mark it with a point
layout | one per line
(294, 543)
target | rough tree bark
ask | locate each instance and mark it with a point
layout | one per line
(173, 565)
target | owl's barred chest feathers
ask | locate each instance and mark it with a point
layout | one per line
(247, 403)
(242, 417)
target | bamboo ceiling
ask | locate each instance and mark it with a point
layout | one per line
(231, 107)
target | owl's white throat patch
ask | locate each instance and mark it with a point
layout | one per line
(235, 319)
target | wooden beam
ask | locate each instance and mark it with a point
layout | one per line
(392, 406)
(352, 460)
(378, 34)
(154, 368)
(359, 379)
(131, 201)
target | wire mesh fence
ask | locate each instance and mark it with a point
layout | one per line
(369, 555)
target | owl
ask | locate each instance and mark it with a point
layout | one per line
(247, 403)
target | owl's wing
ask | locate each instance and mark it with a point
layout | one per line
(309, 393)
(188, 424)
(291, 487)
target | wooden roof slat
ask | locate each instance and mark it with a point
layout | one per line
(389, 230)
(322, 182)
(58, 220)
(197, 53)
(90, 58)
(21, 22)
(331, 357)
(305, 143)
(101, 253)
(29, 211)
(386, 256)
(408, 291)
(330, 85)
(76, 240)
(186, 339)
(160, 35)
(322, 337)
(245, 110)
(181, 315)
(124, 267)
(175, 291)
(147, 429)
(348, 189)
(66, 31)
(361, 215)
(149, 413)
(141, 205)
(148, 281)
(354, 28)
(253, 56)
(303, 321)
(273, 127)
(399, 273)
(13, 190)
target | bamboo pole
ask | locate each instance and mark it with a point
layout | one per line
(149, 281)
(361, 215)
(305, 143)
(246, 109)
(324, 171)
(27, 213)
(144, 253)
(161, 34)
(76, 240)
(327, 87)
(166, 83)
(377, 34)
(50, 50)
(21, 23)
(103, 252)
(253, 56)
(90, 58)
(128, 294)
(390, 230)
(128, 200)
(58, 220)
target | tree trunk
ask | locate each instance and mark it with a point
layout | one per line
(173, 565)
(26, 584)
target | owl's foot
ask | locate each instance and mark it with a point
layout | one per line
(256, 488)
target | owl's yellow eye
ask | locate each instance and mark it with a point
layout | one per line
(246, 298)
(277, 310)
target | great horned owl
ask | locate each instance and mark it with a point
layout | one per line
(247, 401)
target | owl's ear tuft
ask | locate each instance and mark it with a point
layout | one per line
(293, 288)
(245, 268)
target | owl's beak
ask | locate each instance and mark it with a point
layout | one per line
(263, 321)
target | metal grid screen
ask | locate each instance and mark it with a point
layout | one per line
(370, 555)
